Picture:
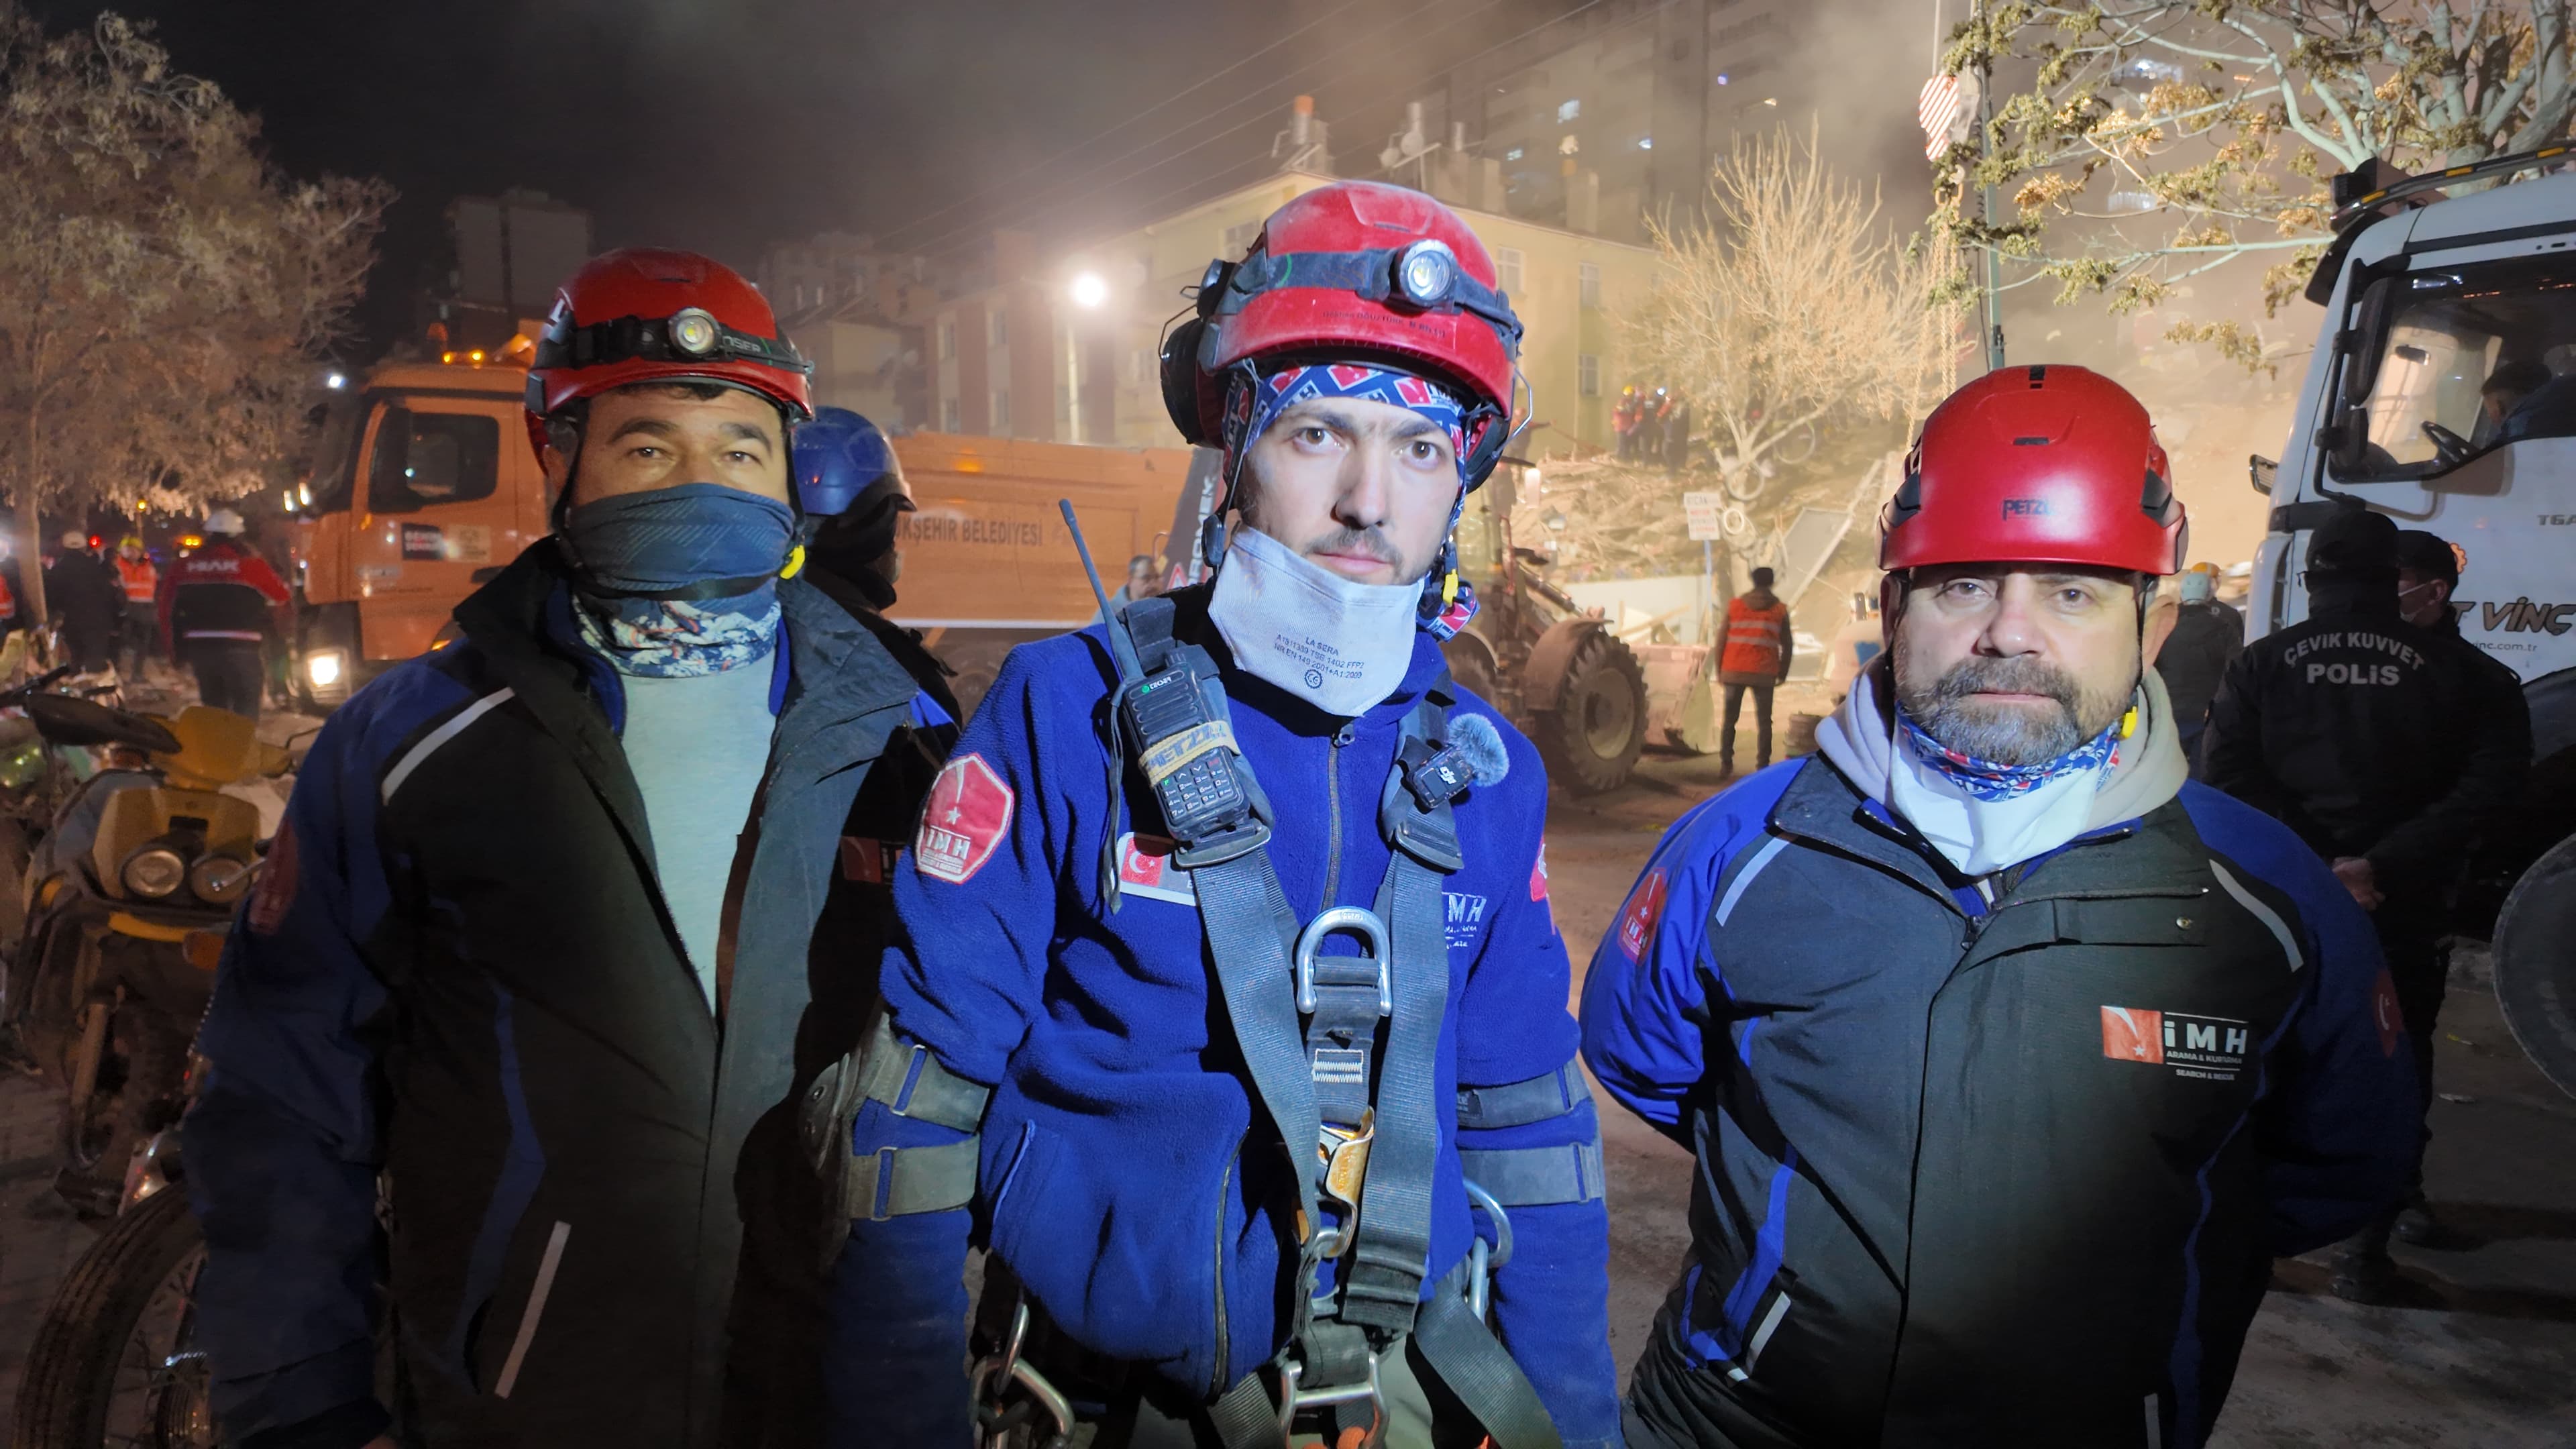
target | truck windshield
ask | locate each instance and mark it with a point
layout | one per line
(327, 464)
(2472, 358)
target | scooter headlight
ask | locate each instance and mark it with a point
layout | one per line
(218, 879)
(154, 872)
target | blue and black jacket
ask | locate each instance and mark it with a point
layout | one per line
(1988, 1163)
(455, 1005)
(1124, 1179)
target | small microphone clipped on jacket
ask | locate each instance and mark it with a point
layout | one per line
(1474, 755)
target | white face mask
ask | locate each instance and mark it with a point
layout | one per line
(1340, 646)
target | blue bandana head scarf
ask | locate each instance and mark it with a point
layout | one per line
(1987, 780)
(673, 539)
(1252, 407)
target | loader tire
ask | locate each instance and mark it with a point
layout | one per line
(1591, 737)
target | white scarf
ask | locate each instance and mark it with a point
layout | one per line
(1980, 837)
(1340, 646)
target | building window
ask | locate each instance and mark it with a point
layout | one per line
(1507, 269)
(1238, 240)
(948, 343)
(1587, 287)
(997, 328)
(1000, 402)
(948, 421)
(1587, 374)
(1569, 111)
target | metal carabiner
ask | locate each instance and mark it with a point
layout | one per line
(1361, 923)
(1007, 1367)
(1485, 1257)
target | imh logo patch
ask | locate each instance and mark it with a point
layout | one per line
(2212, 1048)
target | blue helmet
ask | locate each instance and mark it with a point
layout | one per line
(841, 459)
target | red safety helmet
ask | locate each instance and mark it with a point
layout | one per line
(1349, 272)
(644, 314)
(2036, 465)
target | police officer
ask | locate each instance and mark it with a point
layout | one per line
(2388, 747)
(2207, 637)
(2011, 1058)
(1218, 990)
(1755, 656)
(532, 949)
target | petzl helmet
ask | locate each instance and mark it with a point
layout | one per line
(644, 314)
(1357, 271)
(2036, 465)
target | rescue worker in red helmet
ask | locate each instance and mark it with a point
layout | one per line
(1248, 1054)
(2011, 1057)
(531, 948)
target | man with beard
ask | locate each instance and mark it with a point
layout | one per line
(2389, 747)
(2010, 1057)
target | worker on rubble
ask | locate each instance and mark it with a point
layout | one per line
(1625, 419)
(2389, 748)
(1756, 658)
(2011, 1058)
(222, 608)
(141, 580)
(534, 944)
(1127, 1019)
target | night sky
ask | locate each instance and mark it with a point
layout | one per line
(728, 126)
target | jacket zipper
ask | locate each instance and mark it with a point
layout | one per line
(1333, 814)
(1224, 1184)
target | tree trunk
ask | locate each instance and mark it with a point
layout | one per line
(31, 525)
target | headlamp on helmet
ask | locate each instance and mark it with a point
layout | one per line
(1426, 273)
(695, 332)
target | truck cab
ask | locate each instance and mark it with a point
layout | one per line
(422, 487)
(2442, 392)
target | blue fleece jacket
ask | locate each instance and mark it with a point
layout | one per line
(1115, 1180)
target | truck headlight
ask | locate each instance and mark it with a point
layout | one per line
(323, 668)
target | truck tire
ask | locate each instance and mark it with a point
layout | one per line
(2535, 964)
(114, 1361)
(1591, 736)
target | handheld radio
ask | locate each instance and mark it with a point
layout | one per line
(1172, 717)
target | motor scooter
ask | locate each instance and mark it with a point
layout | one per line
(125, 902)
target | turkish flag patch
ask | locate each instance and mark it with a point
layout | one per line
(968, 814)
(2133, 1034)
(2385, 1013)
(1145, 869)
(1637, 921)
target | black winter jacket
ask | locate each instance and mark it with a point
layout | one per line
(457, 979)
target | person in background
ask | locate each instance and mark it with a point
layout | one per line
(85, 599)
(9, 620)
(142, 583)
(1140, 582)
(2499, 398)
(1855, 644)
(2388, 748)
(1755, 658)
(1624, 420)
(2236, 585)
(2207, 637)
(2428, 574)
(220, 605)
(1675, 417)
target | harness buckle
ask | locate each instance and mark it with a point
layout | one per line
(1371, 931)
(1345, 1154)
(1295, 1400)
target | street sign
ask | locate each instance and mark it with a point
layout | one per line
(1706, 513)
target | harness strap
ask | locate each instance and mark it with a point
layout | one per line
(1536, 1176)
(1473, 1365)
(895, 1182)
(910, 1081)
(1517, 1104)
(1241, 908)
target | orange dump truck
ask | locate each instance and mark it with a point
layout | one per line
(422, 486)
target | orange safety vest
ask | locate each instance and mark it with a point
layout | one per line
(142, 580)
(1753, 635)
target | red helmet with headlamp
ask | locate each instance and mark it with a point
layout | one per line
(645, 314)
(2046, 464)
(1356, 271)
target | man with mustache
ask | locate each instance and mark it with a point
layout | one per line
(2011, 1059)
